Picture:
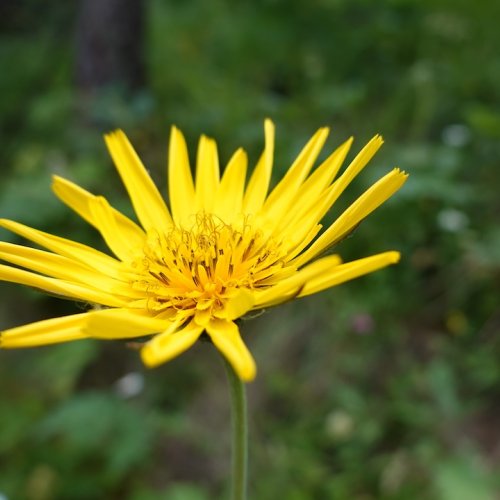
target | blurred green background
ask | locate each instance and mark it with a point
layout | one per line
(384, 388)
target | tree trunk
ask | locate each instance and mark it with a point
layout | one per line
(109, 44)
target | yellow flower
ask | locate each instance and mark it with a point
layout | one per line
(224, 248)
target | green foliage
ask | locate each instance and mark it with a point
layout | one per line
(385, 388)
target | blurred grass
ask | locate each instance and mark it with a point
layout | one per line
(385, 388)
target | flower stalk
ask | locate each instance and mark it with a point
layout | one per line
(239, 432)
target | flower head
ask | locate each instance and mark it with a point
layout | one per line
(224, 248)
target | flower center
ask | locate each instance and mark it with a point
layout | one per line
(201, 267)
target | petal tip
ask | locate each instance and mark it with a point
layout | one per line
(246, 371)
(394, 257)
(111, 133)
(56, 179)
(268, 122)
(249, 374)
(148, 358)
(403, 173)
(269, 127)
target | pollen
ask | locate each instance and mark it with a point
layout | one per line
(198, 268)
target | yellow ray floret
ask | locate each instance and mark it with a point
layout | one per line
(224, 248)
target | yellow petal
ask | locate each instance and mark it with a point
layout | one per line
(202, 317)
(229, 198)
(207, 174)
(349, 271)
(67, 270)
(314, 189)
(285, 192)
(238, 305)
(78, 200)
(180, 181)
(59, 287)
(312, 215)
(350, 218)
(117, 240)
(319, 180)
(55, 266)
(147, 201)
(299, 229)
(360, 162)
(170, 343)
(49, 331)
(226, 337)
(296, 282)
(312, 212)
(122, 323)
(300, 239)
(71, 249)
(258, 184)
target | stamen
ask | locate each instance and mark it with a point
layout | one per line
(200, 267)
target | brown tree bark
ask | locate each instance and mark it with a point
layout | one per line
(109, 44)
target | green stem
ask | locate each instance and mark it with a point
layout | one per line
(239, 424)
